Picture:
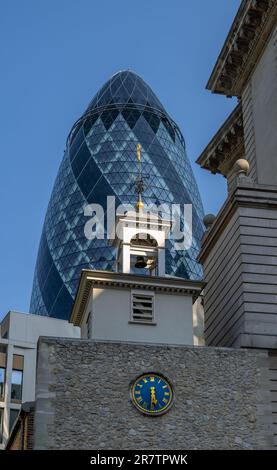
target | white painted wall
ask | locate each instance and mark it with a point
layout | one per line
(198, 323)
(28, 327)
(111, 310)
(264, 102)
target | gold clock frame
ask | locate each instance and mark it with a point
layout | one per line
(147, 412)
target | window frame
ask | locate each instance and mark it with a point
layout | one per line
(14, 420)
(1, 424)
(2, 396)
(17, 400)
(88, 324)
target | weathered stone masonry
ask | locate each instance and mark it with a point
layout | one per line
(222, 398)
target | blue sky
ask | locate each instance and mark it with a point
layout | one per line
(55, 54)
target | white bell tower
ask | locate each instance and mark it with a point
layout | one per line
(138, 302)
(140, 243)
(140, 237)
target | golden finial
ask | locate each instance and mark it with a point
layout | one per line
(139, 185)
(139, 204)
(138, 152)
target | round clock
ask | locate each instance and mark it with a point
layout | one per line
(152, 394)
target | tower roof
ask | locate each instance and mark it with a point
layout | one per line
(125, 87)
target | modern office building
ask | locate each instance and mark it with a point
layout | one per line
(100, 161)
(19, 333)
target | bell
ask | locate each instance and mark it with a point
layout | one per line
(140, 263)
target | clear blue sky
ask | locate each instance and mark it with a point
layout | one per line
(55, 54)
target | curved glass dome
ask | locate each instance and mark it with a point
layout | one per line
(126, 87)
(100, 161)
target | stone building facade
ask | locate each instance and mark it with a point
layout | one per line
(221, 397)
(238, 250)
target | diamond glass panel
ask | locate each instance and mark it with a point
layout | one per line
(100, 161)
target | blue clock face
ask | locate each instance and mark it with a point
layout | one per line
(152, 394)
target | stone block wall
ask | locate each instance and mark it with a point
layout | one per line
(221, 397)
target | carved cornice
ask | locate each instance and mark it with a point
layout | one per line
(247, 38)
(226, 146)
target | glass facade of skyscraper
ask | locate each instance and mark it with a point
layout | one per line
(100, 161)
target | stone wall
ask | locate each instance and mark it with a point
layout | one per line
(221, 397)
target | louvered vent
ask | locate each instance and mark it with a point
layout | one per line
(142, 308)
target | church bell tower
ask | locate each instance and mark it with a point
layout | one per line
(138, 302)
(141, 236)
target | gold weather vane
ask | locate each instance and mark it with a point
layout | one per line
(138, 152)
(139, 184)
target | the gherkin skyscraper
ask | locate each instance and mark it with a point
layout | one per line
(99, 161)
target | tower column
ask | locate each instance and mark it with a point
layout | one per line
(161, 261)
(126, 264)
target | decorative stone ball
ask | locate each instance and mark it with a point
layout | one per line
(242, 166)
(208, 220)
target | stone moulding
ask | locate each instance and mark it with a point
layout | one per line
(226, 146)
(90, 279)
(244, 44)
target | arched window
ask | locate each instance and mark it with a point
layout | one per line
(143, 254)
(144, 239)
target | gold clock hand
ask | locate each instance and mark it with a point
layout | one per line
(154, 400)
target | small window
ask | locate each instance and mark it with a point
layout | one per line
(18, 362)
(2, 382)
(1, 424)
(142, 309)
(16, 391)
(13, 417)
(89, 326)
